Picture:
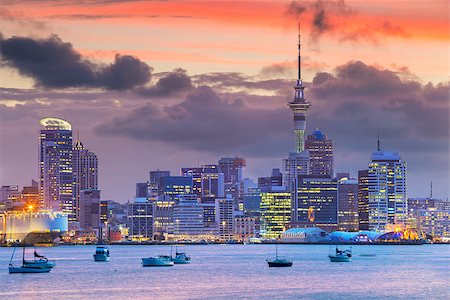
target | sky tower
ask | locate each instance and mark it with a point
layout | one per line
(299, 106)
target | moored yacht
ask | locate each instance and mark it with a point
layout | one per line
(102, 253)
(158, 261)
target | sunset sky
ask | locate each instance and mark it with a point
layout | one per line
(170, 84)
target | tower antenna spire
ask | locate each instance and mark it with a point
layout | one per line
(378, 143)
(299, 57)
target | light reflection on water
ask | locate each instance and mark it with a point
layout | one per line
(233, 272)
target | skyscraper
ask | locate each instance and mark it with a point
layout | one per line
(348, 204)
(387, 198)
(55, 166)
(363, 199)
(320, 154)
(85, 173)
(317, 203)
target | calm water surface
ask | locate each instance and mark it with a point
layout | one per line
(235, 272)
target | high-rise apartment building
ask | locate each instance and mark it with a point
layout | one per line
(55, 166)
(225, 217)
(85, 173)
(89, 209)
(363, 199)
(387, 198)
(348, 204)
(320, 154)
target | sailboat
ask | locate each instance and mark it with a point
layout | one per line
(279, 261)
(27, 267)
(39, 261)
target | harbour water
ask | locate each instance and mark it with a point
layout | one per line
(235, 272)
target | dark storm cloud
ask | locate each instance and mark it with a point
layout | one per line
(322, 12)
(352, 105)
(170, 84)
(55, 64)
(205, 121)
(234, 80)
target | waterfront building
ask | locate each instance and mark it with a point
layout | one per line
(140, 221)
(348, 204)
(244, 227)
(297, 164)
(55, 166)
(304, 235)
(414, 204)
(225, 217)
(320, 154)
(85, 173)
(89, 210)
(387, 198)
(188, 216)
(16, 225)
(232, 169)
(275, 213)
(163, 216)
(317, 202)
(363, 199)
(434, 222)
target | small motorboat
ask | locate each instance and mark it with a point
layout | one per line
(341, 255)
(102, 253)
(181, 258)
(158, 261)
(279, 261)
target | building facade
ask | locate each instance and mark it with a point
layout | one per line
(320, 154)
(275, 213)
(55, 166)
(89, 212)
(140, 221)
(348, 205)
(225, 217)
(317, 202)
(387, 197)
(363, 199)
(85, 173)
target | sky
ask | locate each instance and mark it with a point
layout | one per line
(168, 84)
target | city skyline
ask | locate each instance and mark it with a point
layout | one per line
(134, 126)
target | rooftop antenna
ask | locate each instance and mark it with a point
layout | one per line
(299, 57)
(78, 134)
(378, 143)
(431, 190)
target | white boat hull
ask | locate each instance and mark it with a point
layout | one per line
(156, 262)
(101, 257)
(339, 258)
